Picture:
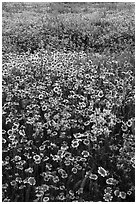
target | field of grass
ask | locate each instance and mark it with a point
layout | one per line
(68, 102)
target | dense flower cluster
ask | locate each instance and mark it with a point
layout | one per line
(97, 29)
(68, 128)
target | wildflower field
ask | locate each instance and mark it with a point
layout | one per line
(68, 102)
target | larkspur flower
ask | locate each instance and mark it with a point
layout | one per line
(102, 171)
(111, 181)
(74, 170)
(117, 192)
(108, 190)
(45, 199)
(31, 181)
(107, 197)
(93, 176)
(75, 144)
(85, 153)
(122, 194)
